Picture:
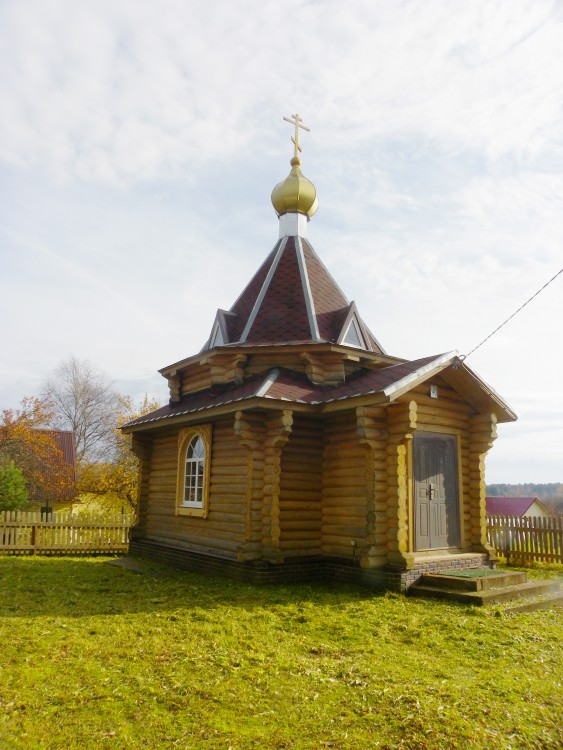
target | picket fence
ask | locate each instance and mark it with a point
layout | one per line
(519, 539)
(527, 539)
(63, 533)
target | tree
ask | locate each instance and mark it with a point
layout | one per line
(83, 400)
(116, 481)
(13, 494)
(34, 450)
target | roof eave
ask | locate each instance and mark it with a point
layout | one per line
(209, 412)
(503, 412)
(205, 356)
(405, 384)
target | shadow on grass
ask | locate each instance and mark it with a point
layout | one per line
(83, 587)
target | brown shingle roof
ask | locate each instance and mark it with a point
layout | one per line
(282, 315)
(330, 303)
(246, 301)
(280, 384)
(292, 297)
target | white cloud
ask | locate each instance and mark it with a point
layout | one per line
(131, 90)
(139, 142)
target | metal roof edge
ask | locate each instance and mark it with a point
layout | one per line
(490, 390)
(436, 365)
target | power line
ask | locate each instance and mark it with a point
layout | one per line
(513, 314)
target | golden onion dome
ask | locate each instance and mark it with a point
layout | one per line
(296, 193)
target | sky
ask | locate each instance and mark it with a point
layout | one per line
(140, 142)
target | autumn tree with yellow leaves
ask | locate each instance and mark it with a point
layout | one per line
(114, 482)
(33, 449)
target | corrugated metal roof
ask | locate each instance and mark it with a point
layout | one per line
(510, 506)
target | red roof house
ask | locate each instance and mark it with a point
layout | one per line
(516, 506)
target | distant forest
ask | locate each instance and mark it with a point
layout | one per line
(551, 495)
(543, 491)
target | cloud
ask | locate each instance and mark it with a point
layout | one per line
(139, 142)
(133, 91)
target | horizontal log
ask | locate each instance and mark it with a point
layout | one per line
(347, 471)
(442, 420)
(301, 547)
(295, 479)
(160, 499)
(164, 480)
(344, 494)
(228, 486)
(197, 543)
(218, 472)
(301, 534)
(442, 403)
(298, 522)
(304, 512)
(442, 425)
(445, 392)
(168, 475)
(292, 506)
(185, 527)
(343, 532)
(345, 511)
(235, 507)
(335, 436)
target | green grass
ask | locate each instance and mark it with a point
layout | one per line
(94, 656)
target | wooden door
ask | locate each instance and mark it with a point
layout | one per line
(436, 495)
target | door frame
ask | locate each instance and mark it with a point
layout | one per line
(456, 436)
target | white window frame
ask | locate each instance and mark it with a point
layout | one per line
(186, 474)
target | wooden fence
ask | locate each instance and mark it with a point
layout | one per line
(62, 533)
(523, 539)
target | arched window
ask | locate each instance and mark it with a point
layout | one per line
(193, 471)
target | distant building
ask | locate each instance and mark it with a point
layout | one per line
(516, 506)
(66, 493)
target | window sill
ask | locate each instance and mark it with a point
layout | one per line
(201, 512)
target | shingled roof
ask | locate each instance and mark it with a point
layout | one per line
(283, 385)
(292, 297)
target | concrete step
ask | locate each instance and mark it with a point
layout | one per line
(546, 601)
(473, 579)
(514, 592)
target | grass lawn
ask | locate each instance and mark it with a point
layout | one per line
(95, 656)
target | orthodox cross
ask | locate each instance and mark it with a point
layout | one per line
(297, 121)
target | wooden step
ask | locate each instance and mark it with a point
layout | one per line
(538, 590)
(472, 580)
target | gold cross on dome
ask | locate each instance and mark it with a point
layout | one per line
(297, 121)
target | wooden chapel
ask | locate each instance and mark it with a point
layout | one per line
(294, 448)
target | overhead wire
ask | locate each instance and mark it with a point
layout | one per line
(464, 356)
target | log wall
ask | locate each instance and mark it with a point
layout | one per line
(301, 489)
(224, 528)
(141, 445)
(195, 378)
(284, 484)
(258, 363)
(344, 505)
